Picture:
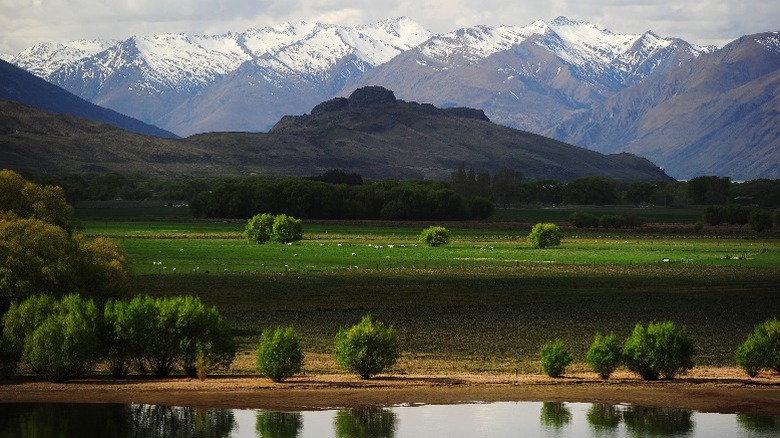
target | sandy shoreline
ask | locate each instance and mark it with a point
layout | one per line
(707, 391)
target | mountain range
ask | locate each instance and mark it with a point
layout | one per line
(692, 110)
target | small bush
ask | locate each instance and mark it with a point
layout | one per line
(480, 207)
(604, 355)
(555, 358)
(367, 348)
(544, 235)
(612, 221)
(761, 349)
(435, 236)
(279, 354)
(660, 350)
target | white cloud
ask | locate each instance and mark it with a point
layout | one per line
(25, 22)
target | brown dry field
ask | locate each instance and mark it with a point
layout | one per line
(704, 389)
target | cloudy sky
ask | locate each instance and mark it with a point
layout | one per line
(25, 22)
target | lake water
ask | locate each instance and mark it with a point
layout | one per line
(508, 419)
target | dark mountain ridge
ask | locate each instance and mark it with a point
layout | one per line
(23, 87)
(370, 133)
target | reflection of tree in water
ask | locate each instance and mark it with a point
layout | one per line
(365, 423)
(602, 416)
(55, 420)
(657, 421)
(555, 414)
(759, 423)
(175, 422)
(278, 424)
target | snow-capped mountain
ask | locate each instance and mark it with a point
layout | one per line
(150, 77)
(566, 79)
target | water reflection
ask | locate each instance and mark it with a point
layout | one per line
(278, 424)
(112, 420)
(555, 415)
(180, 422)
(530, 420)
(641, 421)
(759, 423)
(365, 423)
(601, 416)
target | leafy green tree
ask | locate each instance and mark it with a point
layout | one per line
(28, 200)
(604, 355)
(117, 337)
(35, 257)
(544, 235)
(714, 215)
(367, 348)
(286, 229)
(279, 354)
(660, 350)
(435, 236)
(66, 344)
(259, 228)
(761, 349)
(21, 319)
(776, 218)
(202, 332)
(555, 358)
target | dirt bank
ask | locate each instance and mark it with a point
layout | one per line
(721, 390)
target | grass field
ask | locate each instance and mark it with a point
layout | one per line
(485, 302)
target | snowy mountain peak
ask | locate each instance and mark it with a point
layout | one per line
(44, 58)
(771, 41)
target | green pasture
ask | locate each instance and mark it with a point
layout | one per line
(487, 297)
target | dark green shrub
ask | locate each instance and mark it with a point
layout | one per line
(612, 221)
(286, 229)
(544, 235)
(367, 348)
(435, 236)
(714, 215)
(604, 355)
(776, 218)
(259, 228)
(555, 358)
(660, 350)
(581, 219)
(761, 349)
(760, 220)
(279, 354)
(480, 207)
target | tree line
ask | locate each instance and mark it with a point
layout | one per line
(506, 187)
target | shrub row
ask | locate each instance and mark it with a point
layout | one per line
(735, 214)
(65, 339)
(582, 219)
(665, 351)
(659, 350)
